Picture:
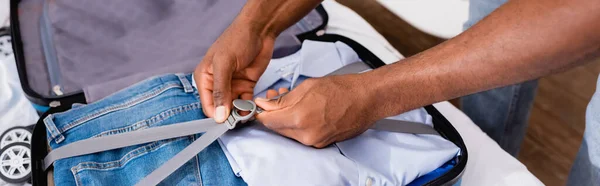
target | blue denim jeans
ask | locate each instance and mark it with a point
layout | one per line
(503, 114)
(586, 168)
(155, 102)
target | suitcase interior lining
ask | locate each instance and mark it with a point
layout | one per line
(104, 46)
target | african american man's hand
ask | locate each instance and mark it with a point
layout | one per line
(320, 111)
(231, 68)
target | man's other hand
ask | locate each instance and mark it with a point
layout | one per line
(320, 111)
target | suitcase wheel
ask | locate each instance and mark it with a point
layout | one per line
(15, 163)
(14, 135)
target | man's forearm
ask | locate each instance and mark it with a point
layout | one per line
(522, 40)
(271, 17)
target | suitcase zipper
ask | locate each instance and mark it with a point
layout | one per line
(50, 52)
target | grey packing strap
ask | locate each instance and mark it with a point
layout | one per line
(183, 156)
(99, 144)
(400, 126)
(104, 143)
(355, 67)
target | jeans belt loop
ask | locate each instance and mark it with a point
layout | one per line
(54, 132)
(187, 86)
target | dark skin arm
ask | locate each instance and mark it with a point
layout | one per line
(522, 40)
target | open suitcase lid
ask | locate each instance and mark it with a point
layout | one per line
(83, 50)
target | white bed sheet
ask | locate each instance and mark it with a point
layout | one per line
(488, 164)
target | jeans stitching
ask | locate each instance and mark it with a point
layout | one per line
(77, 179)
(153, 120)
(138, 152)
(197, 165)
(511, 112)
(114, 108)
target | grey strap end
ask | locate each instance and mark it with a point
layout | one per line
(404, 127)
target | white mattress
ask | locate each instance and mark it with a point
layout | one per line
(488, 164)
(441, 18)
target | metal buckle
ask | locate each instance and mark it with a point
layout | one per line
(241, 105)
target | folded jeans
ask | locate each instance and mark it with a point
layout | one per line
(155, 102)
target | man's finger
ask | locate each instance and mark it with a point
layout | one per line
(246, 96)
(222, 71)
(207, 104)
(241, 86)
(271, 93)
(283, 90)
(204, 83)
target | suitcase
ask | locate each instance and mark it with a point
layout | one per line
(48, 36)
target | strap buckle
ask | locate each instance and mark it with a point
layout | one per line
(241, 105)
